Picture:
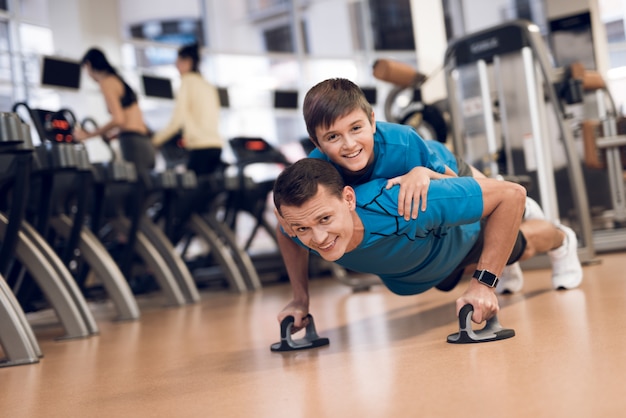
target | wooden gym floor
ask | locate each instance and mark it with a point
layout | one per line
(388, 357)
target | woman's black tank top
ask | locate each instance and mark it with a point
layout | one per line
(129, 97)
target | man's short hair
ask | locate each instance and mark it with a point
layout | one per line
(329, 100)
(299, 182)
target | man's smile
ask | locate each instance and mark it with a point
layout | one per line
(328, 246)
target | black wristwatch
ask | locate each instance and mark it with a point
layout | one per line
(486, 277)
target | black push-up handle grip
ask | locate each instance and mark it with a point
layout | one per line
(310, 340)
(492, 331)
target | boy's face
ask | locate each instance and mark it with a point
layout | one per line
(349, 141)
(325, 223)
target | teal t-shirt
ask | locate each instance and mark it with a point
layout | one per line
(398, 149)
(412, 256)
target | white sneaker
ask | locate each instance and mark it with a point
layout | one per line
(567, 272)
(511, 280)
(533, 210)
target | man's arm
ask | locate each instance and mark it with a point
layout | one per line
(296, 259)
(503, 207)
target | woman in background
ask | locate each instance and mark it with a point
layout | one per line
(127, 123)
(196, 113)
(128, 126)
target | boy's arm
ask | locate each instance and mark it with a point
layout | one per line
(296, 259)
(414, 188)
(503, 207)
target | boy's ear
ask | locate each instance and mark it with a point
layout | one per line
(373, 121)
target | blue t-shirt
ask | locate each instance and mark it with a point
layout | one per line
(412, 256)
(397, 150)
(444, 153)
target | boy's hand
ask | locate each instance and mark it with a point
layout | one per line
(298, 311)
(413, 189)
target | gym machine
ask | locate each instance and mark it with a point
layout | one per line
(604, 143)
(507, 106)
(30, 252)
(16, 335)
(59, 199)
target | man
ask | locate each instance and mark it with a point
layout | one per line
(468, 221)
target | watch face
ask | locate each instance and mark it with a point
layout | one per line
(486, 277)
(490, 282)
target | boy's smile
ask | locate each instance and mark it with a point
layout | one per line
(349, 141)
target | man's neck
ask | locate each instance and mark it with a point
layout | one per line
(358, 232)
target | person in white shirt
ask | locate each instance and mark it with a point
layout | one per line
(196, 113)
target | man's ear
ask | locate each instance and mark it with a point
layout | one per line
(349, 196)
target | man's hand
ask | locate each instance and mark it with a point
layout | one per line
(413, 188)
(482, 298)
(298, 310)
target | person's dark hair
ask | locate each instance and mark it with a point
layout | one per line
(98, 61)
(299, 182)
(191, 52)
(329, 100)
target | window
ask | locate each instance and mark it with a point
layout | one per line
(264, 6)
(159, 87)
(179, 32)
(279, 39)
(4, 36)
(60, 73)
(392, 25)
(615, 31)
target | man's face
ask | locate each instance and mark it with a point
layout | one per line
(349, 141)
(325, 223)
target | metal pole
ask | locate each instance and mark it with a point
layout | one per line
(490, 129)
(504, 124)
(540, 141)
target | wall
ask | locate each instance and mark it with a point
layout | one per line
(329, 29)
(76, 26)
(228, 27)
(431, 44)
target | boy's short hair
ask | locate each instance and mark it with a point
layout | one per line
(299, 182)
(329, 100)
